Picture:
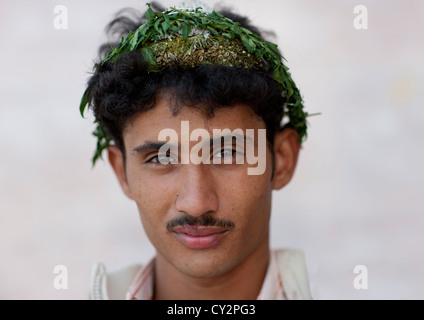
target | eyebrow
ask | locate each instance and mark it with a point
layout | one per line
(153, 145)
(148, 146)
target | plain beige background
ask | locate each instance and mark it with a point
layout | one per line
(357, 195)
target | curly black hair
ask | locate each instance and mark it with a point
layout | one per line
(120, 90)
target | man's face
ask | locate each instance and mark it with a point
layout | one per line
(203, 219)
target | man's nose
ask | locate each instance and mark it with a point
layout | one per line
(196, 193)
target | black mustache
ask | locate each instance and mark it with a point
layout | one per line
(204, 220)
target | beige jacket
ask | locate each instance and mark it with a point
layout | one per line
(291, 265)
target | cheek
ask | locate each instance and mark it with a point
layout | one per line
(154, 207)
(249, 198)
(144, 186)
(250, 192)
(153, 197)
(258, 206)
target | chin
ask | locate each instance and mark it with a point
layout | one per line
(204, 266)
(205, 272)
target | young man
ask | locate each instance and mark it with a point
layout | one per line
(189, 106)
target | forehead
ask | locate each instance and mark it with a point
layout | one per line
(147, 125)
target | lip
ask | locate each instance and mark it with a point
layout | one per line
(198, 237)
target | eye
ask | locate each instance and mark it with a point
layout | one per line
(162, 159)
(225, 153)
(228, 155)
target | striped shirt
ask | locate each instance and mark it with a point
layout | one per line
(142, 286)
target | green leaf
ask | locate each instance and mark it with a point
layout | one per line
(214, 32)
(215, 15)
(174, 29)
(259, 54)
(204, 21)
(273, 46)
(150, 15)
(236, 29)
(220, 25)
(143, 29)
(134, 40)
(182, 13)
(167, 19)
(83, 103)
(246, 31)
(165, 26)
(156, 25)
(229, 35)
(289, 92)
(103, 141)
(150, 58)
(248, 43)
(278, 75)
(186, 30)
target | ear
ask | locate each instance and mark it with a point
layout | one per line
(286, 151)
(116, 160)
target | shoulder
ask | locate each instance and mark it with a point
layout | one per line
(111, 285)
(292, 269)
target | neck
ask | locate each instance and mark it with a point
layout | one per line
(243, 282)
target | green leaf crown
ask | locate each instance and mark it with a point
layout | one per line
(192, 38)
